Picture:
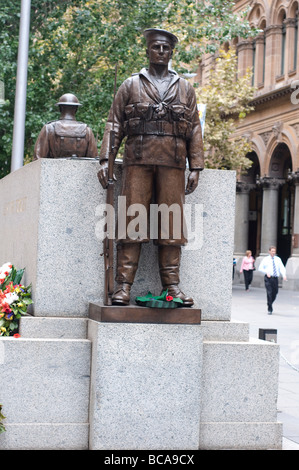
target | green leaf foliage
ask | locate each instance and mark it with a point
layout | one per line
(2, 417)
(14, 276)
(228, 102)
(74, 47)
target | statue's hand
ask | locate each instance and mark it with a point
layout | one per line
(192, 181)
(103, 174)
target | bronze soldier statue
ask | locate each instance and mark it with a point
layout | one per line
(156, 111)
(66, 137)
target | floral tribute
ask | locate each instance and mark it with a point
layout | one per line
(14, 299)
(160, 301)
(2, 417)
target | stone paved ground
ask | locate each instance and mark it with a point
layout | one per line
(251, 307)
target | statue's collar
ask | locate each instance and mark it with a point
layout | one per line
(173, 73)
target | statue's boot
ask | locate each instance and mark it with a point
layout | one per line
(169, 265)
(127, 264)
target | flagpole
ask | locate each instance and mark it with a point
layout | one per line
(17, 157)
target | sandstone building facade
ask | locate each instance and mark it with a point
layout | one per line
(267, 198)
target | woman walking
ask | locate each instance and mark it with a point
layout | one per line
(247, 267)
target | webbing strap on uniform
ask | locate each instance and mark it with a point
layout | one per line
(136, 92)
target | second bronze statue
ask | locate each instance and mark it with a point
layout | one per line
(66, 137)
(156, 111)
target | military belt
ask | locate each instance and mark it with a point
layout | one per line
(137, 126)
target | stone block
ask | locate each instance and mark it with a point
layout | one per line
(292, 272)
(146, 386)
(53, 327)
(48, 209)
(225, 331)
(240, 381)
(211, 266)
(240, 436)
(45, 436)
(44, 388)
(172, 387)
(240, 389)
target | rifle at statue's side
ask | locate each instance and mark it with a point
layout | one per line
(108, 240)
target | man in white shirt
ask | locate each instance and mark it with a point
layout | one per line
(273, 267)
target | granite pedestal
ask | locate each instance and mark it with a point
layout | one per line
(147, 385)
(292, 273)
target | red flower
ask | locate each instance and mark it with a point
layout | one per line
(5, 308)
(9, 288)
(16, 335)
(169, 298)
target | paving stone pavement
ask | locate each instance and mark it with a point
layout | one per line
(251, 307)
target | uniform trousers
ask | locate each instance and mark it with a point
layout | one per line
(146, 189)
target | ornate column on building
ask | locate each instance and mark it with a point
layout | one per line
(241, 226)
(273, 53)
(260, 55)
(245, 57)
(241, 218)
(291, 52)
(270, 187)
(292, 265)
(295, 251)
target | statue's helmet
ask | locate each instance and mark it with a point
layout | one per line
(153, 34)
(68, 99)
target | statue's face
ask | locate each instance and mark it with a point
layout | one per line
(159, 52)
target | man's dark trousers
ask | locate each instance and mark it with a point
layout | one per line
(271, 284)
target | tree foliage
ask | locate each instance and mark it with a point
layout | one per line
(74, 47)
(227, 100)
